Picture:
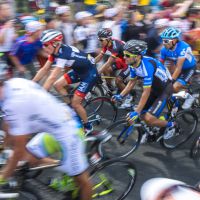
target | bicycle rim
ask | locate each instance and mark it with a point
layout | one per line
(187, 128)
(113, 180)
(125, 140)
(195, 150)
(101, 112)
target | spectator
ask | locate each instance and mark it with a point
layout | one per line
(7, 33)
(25, 49)
(112, 20)
(153, 39)
(136, 27)
(65, 24)
(85, 32)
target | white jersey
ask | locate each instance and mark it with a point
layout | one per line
(30, 109)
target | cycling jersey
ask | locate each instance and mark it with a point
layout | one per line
(81, 63)
(153, 73)
(30, 109)
(182, 50)
(116, 51)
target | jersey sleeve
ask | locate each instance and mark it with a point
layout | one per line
(61, 63)
(132, 73)
(148, 79)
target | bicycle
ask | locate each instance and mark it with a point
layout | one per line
(105, 175)
(101, 112)
(126, 138)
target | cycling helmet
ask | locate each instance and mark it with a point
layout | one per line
(171, 33)
(105, 33)
(138, 47)
(50, 36)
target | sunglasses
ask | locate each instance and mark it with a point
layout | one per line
(129, 55)
(101, 39)
(166, 41)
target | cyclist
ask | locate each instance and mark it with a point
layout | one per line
(30, 109)
(180, 53)
(169, 189)
(83, 71)
(157, 86)
(115, 61)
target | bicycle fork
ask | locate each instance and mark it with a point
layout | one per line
(127, 130)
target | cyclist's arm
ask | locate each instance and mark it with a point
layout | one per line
(43, 71)
(143, 99)
(178, 68)
(107, 64)
(52, 78)
(129, 87)
(19, 144)
(99, 57)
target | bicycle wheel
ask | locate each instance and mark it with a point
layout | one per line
(35, 190)
(113, 179)
(101, 112)
(195, 150)
(186, 129)
(125, 139)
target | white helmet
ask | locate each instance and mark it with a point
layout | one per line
(62, 9)
(50, 36)
(152, 188)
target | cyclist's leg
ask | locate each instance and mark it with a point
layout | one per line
(84, 87)
(119, 81)
(156, 108)
(72, 149)
(63, 82)
(108, 72)
(183, 79)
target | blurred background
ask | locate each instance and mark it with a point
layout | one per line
(80, 20)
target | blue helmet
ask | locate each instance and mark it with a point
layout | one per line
(171, 33)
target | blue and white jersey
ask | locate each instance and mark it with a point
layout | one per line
(182, 50)
(82, 63)
(153, 73)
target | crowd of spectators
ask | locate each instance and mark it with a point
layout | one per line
(80, 21)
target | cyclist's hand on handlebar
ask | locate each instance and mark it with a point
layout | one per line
(117, 98)
(131, 117)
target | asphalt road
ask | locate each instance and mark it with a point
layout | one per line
(152, 160)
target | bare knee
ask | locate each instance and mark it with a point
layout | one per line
(57, 85)
(149, 119)
(177, 87)
(118, 81)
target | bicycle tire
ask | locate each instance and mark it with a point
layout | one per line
(195, 149)
(35, 190)
(119, 145)
(101, 112)
(186, 129)
(119, 173)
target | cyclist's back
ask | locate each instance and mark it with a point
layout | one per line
(80, 62)
(44, 114)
